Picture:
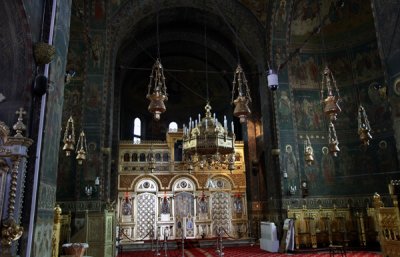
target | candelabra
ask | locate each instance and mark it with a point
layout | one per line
(241, 103)
(308, 152)
(331, 107)
(292, 190)
(333, 143)
(206, 143)
(157, 91)
(69, 137)
(364, 129)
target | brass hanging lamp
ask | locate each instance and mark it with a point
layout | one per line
(69, 137)
(364, 129)
(157, 91)
(331, 107)
(242, 110)
(333, 144)
(81, 150)
(308, 152)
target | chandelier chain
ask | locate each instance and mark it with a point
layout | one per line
(206, 58)
(158, 33)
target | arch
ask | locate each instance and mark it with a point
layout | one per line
(129, 18)
(138, 179)
(126, 157)
(184, 184)
(189, 176)
(137, 130)
(214, 182)
(146, 185)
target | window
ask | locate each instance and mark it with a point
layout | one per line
(173, 127)
(137, 133)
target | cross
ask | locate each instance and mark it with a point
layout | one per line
(20, 113)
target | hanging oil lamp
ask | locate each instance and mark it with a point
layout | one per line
(69, 137)
(364, 129)
(331, 107)
(81, 148)
(242, 110)
(333, 144)
(157, 91)
(308, 152)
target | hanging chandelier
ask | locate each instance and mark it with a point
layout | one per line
(308, 152)
(331, 107)
(81, 149)
(333, 144)
(69, 137)
(208, 144)
(364, 129)
(157, 91)
(242, 110)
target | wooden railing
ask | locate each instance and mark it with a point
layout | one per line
(331, 226)
(388, 224)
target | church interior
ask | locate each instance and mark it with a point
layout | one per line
(129, 126)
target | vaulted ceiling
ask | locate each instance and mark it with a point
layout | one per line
(191, 41)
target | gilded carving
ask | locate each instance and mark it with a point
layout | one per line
(125, 181)
(238, 179)
(165, 179)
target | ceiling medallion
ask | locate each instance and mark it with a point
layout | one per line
(206, 143)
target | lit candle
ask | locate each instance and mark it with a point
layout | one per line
(225, 123)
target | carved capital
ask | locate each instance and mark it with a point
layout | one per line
(10, 231)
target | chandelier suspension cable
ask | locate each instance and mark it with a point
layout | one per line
(315, 30)
(158, 33)
(363, 126)
(157, 89)
(320, 30)
(221, 13)
(205, 52)
(237, 47)
(167, 71)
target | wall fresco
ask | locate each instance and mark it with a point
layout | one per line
(305, 71)
(308, 111)
(355, 15)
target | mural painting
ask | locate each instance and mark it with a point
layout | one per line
(305, 72)
(96, 53)
(284, 110)
(308, 15)
(308, 111)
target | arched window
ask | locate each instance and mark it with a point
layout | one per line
(137, 132)
(173, 127)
